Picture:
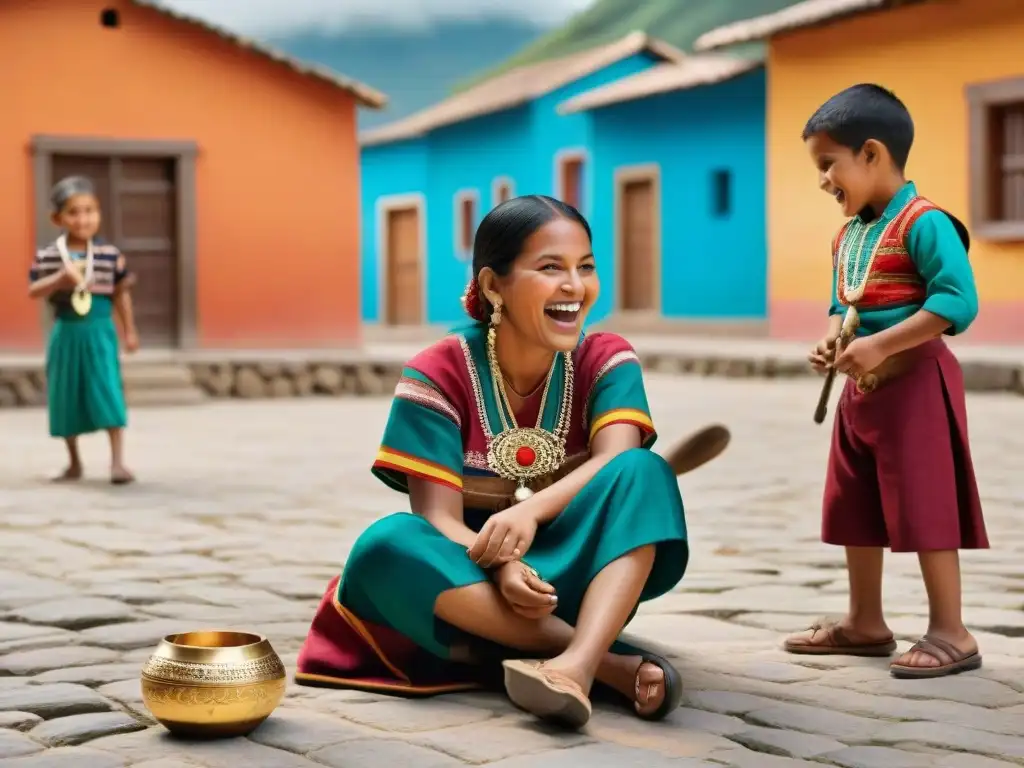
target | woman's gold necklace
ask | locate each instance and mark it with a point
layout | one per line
(520, 395)
(522, 454)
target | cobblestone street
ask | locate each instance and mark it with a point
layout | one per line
(244, 511)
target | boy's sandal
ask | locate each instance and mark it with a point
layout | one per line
(673, 685)
(837, 643)
(546, 694)
(939, 650)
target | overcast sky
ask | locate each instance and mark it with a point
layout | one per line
(278, 17)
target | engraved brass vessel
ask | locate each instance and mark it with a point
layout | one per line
(213, 683)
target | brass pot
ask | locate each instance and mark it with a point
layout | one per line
(213, 683)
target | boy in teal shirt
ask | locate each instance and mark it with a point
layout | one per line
(900, 473)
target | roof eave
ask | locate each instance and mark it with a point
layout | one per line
(369, 140)
(604, 96)
(628, 45)
(391, 134)
(767, 26)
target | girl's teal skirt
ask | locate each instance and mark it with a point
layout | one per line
(401, 563)
(83, 372)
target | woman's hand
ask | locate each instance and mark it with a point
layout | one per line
(506, 536)
(525, 591)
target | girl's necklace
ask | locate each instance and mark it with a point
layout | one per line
(81, 298)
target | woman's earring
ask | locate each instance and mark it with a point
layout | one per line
(496, 314)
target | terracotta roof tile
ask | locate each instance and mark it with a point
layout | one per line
(518, 86)
(692, 72)
(806, 14)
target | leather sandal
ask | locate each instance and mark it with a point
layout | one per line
(546, 694)
(939, 650)
(673, 684)
(837, 643)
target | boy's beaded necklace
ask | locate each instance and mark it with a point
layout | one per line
(855, 264)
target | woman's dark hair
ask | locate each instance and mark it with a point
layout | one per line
(502, 234)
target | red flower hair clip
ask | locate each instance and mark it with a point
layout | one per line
(471, 302)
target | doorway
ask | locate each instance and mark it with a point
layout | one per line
(638, 244)
(404, 265)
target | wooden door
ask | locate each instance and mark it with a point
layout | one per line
(145, 207)
(572, 182)
(137, 197)
(636, 246)
(404, 304)
(503, 193)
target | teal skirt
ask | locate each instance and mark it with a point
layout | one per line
(83, 372)
(401, 563)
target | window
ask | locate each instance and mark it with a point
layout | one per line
(570, 183)
(502, 190)
(997, 159)
(721, 193)
(465, 221)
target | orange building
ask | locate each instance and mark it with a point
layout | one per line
(957, 65)
(228, 173)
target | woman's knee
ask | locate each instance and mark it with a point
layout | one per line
(384, 541)
(641, 464)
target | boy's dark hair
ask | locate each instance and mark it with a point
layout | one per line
(862, 112)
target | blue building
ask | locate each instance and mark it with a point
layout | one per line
(678, 193)
(428, 180)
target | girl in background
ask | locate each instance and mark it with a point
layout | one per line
(86, 282)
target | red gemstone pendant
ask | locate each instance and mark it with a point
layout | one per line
(525, 456)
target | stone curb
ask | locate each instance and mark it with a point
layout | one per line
(25, 386)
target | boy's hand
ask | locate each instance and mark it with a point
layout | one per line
(860, 356)
(823, 354)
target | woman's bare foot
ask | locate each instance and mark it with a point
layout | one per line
(69, 475)
(641, 682)
(119, 475)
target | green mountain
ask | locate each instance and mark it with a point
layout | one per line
(679, 22)
(415, 68)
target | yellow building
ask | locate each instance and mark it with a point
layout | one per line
(959, 67)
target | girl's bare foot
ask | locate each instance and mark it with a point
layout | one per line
(69, 475)
(120, 475)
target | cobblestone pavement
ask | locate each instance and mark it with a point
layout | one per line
(246, 510)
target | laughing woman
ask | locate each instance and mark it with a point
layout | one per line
(540, 519)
